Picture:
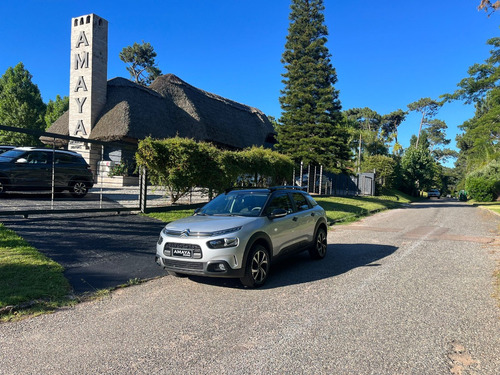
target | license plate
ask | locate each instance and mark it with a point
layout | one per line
(182, 253)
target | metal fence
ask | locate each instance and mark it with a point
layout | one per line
(326, 183)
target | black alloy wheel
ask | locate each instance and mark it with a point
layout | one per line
(79, 189)
(318, 249)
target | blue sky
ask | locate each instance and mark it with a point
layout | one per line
(386, 53)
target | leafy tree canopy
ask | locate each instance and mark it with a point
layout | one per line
(428, 108)
(384, 166)
(55, 109)
(418, 169)
(21, 106)
(141, 59)
(480, 142)
(482, 77)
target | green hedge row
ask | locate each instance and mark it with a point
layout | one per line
(180, 164)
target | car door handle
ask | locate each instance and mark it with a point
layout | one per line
(295, 218)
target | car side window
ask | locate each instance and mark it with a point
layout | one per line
(37, 158)
(281, 200)
(300, 202)
(63, 159)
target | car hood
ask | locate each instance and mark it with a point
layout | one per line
(208, 224)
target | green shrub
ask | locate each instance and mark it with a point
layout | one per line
(180, 164)
(122, 169)
(480, 189)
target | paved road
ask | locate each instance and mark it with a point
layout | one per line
(96, 250)
(403, 292)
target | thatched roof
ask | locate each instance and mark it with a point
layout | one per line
(171, 107)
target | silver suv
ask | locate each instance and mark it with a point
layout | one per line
(239, 233)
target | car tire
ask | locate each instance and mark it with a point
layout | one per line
(257, 267)
(320, 245)
(78, 189)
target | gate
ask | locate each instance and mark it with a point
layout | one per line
(326, 183)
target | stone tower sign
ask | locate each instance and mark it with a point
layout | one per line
(88, 81)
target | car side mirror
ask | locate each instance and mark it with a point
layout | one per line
(21, 161)
(277, 212)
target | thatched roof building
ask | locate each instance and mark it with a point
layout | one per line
(171, 107)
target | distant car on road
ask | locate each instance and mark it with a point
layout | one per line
(433, 193)
(29, 168)
(239, 233)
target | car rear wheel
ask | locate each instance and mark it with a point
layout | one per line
(78, 189)
(318, 249)
(2, 186)
(257, 267)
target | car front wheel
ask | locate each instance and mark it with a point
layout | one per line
(257, 267)
(78, 189)
(318, 249)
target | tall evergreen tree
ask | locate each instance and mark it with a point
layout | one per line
(310, 126)
(21, 106)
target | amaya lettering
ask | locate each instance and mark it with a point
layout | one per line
(81, 62)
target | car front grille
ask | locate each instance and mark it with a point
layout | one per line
(181, 265)
(195, 249)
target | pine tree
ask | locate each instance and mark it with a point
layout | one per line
(310, 129)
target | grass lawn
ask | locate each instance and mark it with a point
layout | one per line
(492, 206)
(340, 209)
(29, 281)
(172, 215)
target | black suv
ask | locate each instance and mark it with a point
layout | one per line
(28, 168)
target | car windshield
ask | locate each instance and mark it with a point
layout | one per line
(241, 203)
(11, 155)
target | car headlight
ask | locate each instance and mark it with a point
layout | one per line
(223, 243)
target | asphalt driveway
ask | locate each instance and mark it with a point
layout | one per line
(97, 250)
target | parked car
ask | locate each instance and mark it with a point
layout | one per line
(241, 232)
(5, 148)
(433, 193)
(29, 168)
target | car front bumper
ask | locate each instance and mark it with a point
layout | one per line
(212, 268)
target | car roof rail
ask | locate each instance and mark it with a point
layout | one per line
(244, 188)
(284, 187)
